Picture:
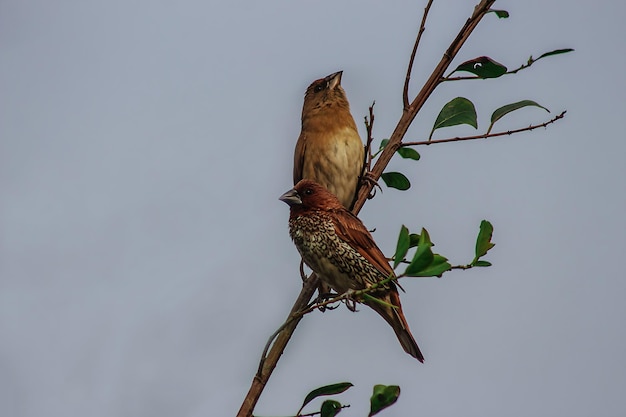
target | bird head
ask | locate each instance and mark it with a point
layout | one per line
(324, 93)
(309, 195)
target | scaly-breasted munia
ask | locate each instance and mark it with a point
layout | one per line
(338, 247)
(329, 149)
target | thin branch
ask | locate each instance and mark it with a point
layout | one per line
(367, 155)
(404, 261)
(528, 63)
(319, 412)
(485, 135)
(405, 91)
(462, 267)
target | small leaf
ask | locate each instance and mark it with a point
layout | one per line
(396, 180)
(325, 390)
(483, 67)
(483, 241)
(555, 52)
(502, 14)
(481, 263)
(383, 397)
(457, 111)
(383, 143)
(504, 110)
(330, 408)
(414, 239)
(423, 255)
(437, 267)
(409, 153)
(402, 246)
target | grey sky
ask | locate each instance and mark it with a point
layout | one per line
(144, 255)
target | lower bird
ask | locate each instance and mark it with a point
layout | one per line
(336, 245)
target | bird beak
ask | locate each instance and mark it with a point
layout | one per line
(334, 80)
(291, 197)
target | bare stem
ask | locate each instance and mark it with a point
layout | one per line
(485, 135)
(369, 126)
(405, 91)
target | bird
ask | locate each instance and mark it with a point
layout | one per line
(337, 246)
(329, 149)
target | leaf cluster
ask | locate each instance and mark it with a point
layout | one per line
(461, 110)
(425, 263)
(382, 397)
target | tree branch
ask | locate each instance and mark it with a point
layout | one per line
(485, 135)
(309, 287)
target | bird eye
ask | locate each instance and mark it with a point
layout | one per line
(308, 191)
(318, 88)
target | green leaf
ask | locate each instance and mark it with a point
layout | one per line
(555, 52)
(502, 14)
(504, 110)
(425, 263)
(423, 255)
(383, 397)
(437, 267)
(383, 143)
(483, 241)
(481, 263)
(325, 390)
(414, 239)
(483, 67)
(409, 153)
(402, 246)
(396, 180)
(330, 408)
(458, 111)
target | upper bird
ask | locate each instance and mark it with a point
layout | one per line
(329, 149)
(335, 244)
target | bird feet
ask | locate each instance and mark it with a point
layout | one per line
(368, 179)
(322, 297)
(349, 300)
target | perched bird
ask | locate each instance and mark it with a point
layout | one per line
(329, 149)
(335, 244)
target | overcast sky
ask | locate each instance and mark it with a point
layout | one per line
(144, 255)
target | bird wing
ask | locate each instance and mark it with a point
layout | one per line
(298, 158)
(352, 231)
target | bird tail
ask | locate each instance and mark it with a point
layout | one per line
(397, 321)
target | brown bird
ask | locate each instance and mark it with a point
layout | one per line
(335, 244)
(329, 149)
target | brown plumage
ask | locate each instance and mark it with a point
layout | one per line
(336, 245)
(329, 149)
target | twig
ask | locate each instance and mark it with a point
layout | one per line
(485, 135)
(318, 412)
(528, 63)
(369, 126)
(405, 91)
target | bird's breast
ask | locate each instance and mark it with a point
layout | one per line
(334, 158)
(336, 262)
